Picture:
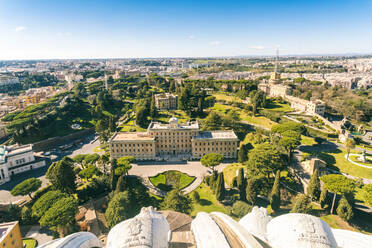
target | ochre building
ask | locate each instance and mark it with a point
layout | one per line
(174, 139)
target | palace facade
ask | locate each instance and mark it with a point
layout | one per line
(166, 101)
(174, 139)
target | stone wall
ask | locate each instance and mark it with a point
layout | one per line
(55, 141)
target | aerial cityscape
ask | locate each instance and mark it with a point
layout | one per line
(185, 124)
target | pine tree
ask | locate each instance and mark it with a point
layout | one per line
(242, 154)
(313, 189)
(275, 193)
(323, 197)
(241, 184)
(220, 187)
(344, 209)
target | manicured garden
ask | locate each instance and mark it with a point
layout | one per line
(337, 159)
(169, 180)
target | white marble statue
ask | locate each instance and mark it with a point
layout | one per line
(148, 229)
(256, 221)
(299, 230)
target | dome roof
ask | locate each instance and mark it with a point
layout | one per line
(75, 240)
(148, 229)
(299, 230)
(207, 237)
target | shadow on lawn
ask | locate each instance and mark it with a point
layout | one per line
(205, 202)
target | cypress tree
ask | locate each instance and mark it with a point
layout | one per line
(220, 187)
(302, 205)
(344, 209)
(241, 184)
(153, 111)
(242, 154)
(113, 177)
(323, 197)
(275, 193)
(252, 189)
(313, 189)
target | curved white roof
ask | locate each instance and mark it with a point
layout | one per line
(148, 229)
(300, 230)
(75, 240)
(350, 239)
(206, 232)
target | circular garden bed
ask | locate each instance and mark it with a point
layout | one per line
(169, 180)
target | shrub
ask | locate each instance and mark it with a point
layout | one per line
(344, 209)
(302, 205)
(240, 208)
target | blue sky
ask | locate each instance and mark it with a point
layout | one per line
(39, 29)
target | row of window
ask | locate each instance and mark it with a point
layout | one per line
(214, 143)
(213, 149)
(134, 145)
(134, 150)
(173, 134)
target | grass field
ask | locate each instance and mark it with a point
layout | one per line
(228, 98)
(29, 243)
(335, 221)
(230, 172)
(164, 116)
(354, 158)
(337, 158)
(257, 120)
(305, 140)
(276, 106)
(208, 202)
(160, 180)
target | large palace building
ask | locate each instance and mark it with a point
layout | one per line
(177, 140)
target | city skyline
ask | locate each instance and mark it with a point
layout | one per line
(146, 29)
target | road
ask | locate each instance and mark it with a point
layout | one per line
(87, 146)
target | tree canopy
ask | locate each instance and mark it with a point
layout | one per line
(26, 187)
(264, 159)
(61, 214)
(61, 175)
(46, 201)
(338, 184)
(211, 159)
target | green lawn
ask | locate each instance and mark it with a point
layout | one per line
(225, 97)
(230, 172)
(164, 116)
(257, 120)
(305, 140)
(276, 106)
(335, 221)
(337, 158)
(160, 180)
(244, 116)
(208, 202)
(355, 159)
(29, 243)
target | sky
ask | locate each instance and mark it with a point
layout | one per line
(65, 29)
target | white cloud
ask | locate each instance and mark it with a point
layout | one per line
(64, 34)
(19, 29)
(215, 43)
(191, 37)
(257, 47)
